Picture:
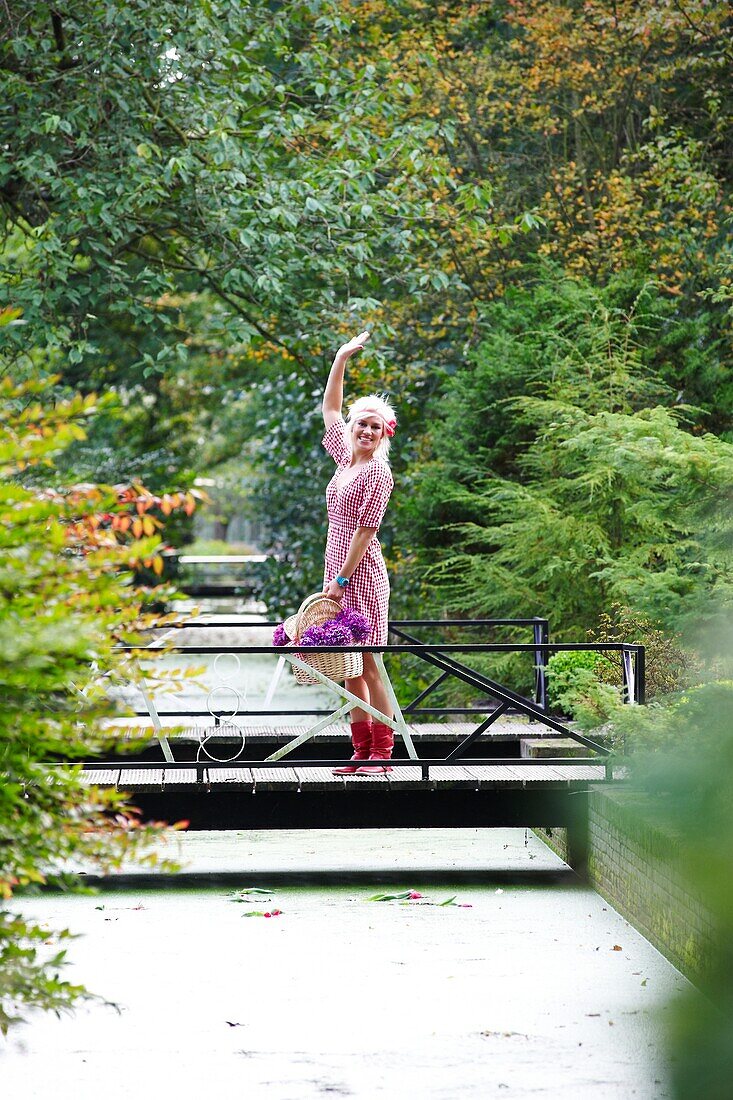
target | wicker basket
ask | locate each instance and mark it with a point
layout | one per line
(316, 610)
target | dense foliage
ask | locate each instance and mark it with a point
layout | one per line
(236, 189)
(197, 195)
(608, 497)
(612, 131)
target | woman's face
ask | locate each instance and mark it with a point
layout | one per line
(366, 434)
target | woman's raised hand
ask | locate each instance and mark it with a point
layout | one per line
(355, 344)
(333, 395)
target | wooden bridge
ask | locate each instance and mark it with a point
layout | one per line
(217, 576)
(230, 774)
(432, 794)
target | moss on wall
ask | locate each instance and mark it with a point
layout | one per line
(636, 861)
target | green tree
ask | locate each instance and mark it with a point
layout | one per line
(215, 148)
(198, 197)
(582, 492)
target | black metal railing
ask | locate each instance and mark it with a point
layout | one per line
(503, 699)
(540, 632)
(541, 636)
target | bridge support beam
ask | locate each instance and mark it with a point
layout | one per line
(577, 833)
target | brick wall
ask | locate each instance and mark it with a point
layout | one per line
(636, 864)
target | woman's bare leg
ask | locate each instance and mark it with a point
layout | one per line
(382, 734)
(359, 687)
(370, 688)
(377, 693)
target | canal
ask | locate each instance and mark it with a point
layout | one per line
(525, 985)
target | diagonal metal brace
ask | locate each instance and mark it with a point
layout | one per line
(424, 694)
(461, 748)
(504, 694)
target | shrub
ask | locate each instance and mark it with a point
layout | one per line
(669, 667)
(67, 560)
(576, 686)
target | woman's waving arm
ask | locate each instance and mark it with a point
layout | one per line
(333, 395)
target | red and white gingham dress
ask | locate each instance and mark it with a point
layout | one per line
(361, 502)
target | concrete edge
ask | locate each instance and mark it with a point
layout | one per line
(151, 880)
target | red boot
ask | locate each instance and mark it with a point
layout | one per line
(361, 739)
(382, 745)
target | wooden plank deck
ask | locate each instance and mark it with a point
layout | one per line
(441, 777)
(176, 778)
(231, 778)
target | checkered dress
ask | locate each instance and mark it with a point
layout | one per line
(361, 502)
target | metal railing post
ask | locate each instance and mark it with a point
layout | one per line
(541, 634)
(640, 672)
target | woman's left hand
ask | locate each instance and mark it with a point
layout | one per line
(355, 344)
(334, 591)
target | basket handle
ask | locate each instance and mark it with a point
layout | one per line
(313, 598)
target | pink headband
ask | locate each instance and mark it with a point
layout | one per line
(389, 425)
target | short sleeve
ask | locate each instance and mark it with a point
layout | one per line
(335, 443)
(377, 491)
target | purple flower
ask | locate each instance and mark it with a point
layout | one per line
(336, 633)
(356, 623)
(279, 637)
(314, 635)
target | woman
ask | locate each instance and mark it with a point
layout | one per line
(355, 575)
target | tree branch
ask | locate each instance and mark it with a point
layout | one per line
(58, 31)
(221, 293)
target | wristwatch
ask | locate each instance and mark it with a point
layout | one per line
(342, 582)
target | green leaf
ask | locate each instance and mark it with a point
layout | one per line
(391, 897)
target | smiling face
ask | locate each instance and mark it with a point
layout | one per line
(366, 433)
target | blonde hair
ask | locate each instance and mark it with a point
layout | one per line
(378, 404)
